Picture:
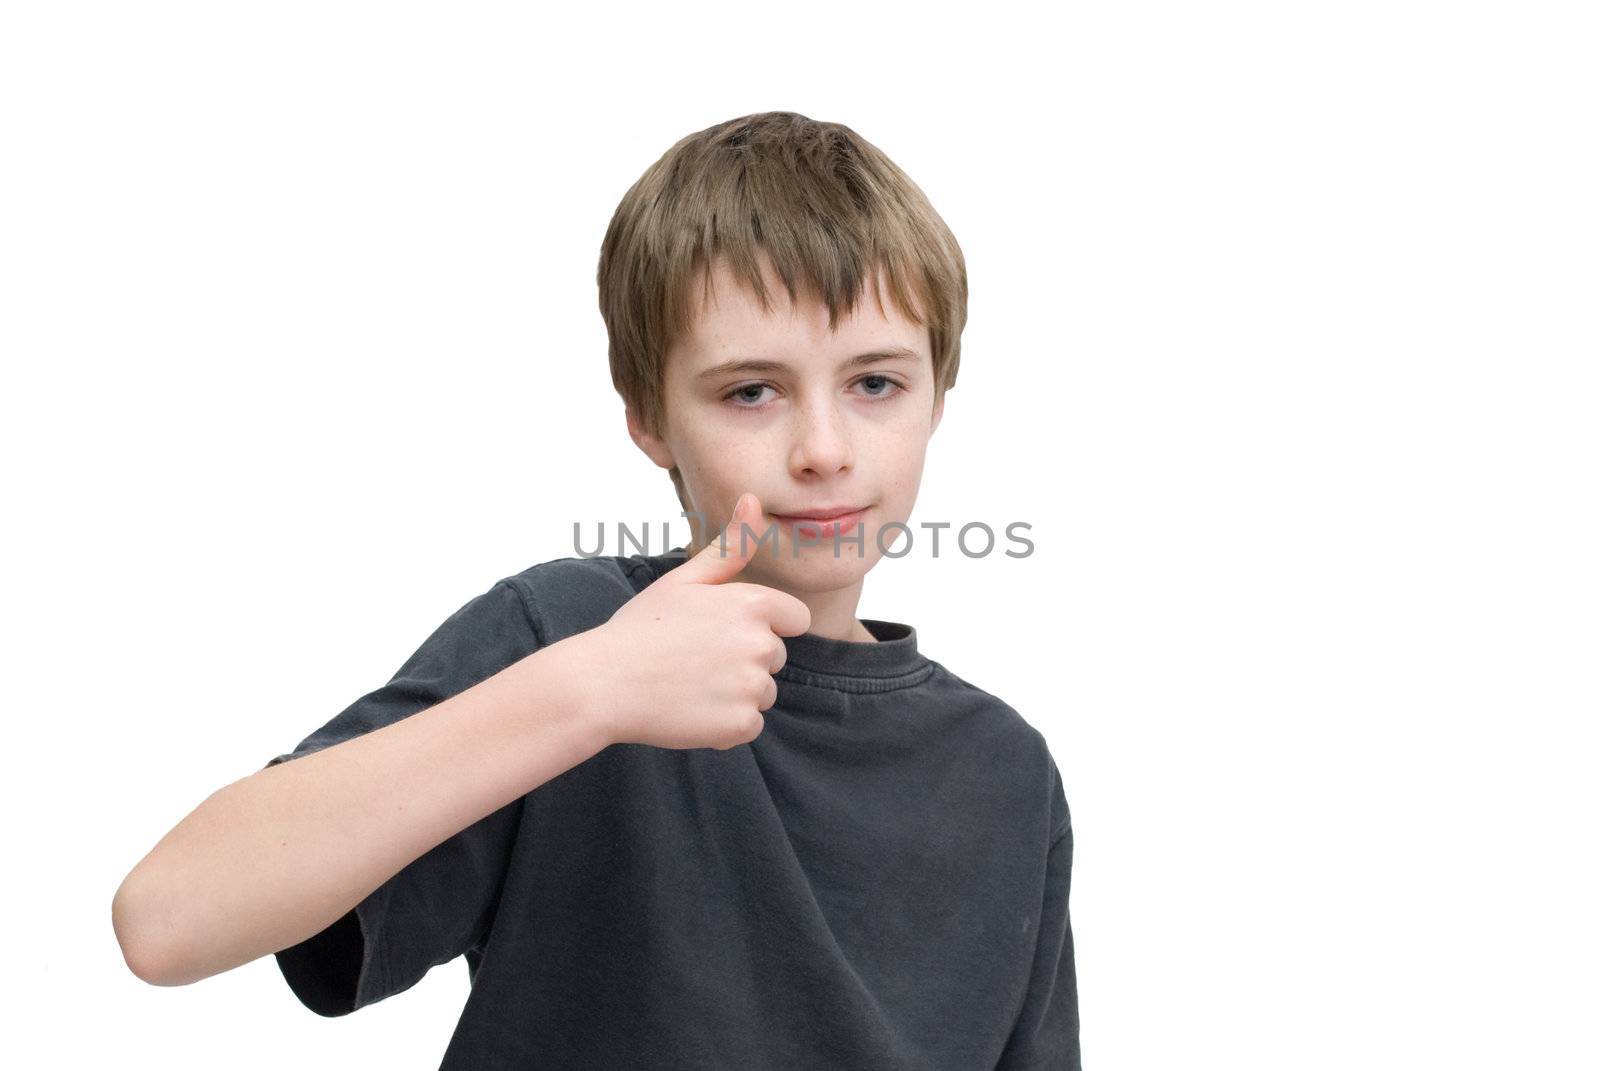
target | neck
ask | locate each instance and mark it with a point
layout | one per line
(833, 614)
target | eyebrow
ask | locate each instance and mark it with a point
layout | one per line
(756, 364)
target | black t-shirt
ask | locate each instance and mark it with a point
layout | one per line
(878, 880)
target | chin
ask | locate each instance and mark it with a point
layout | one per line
(814, 569)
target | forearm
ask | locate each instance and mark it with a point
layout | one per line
(274, 858)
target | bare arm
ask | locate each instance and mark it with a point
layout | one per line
(276, 857)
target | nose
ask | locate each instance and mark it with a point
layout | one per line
(822, 441)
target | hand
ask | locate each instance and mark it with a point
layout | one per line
(688, 662)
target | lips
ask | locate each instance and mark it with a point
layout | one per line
(837, 523)
(827, 514)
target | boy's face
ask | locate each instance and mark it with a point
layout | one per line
(811, 430)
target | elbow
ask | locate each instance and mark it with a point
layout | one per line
(138, 935)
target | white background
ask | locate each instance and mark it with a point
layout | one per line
(1283, 338)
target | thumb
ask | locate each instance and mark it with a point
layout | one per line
(723, 557)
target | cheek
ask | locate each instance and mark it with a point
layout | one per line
(902, 468)
(729, 466)
(903, 446)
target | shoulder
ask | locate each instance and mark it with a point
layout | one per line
(565, 596)
(1006, 739)
(1001, 723)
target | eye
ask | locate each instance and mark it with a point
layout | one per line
(741, 395)
(749, 396)
(883, 379)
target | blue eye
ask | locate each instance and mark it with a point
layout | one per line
(886, 380)
(741, 397)
(744, 392)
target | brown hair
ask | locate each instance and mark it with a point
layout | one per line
(826, 206)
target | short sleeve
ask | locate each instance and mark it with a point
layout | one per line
(1046, 1032)
(442, 903)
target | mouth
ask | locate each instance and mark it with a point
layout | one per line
(826, 523)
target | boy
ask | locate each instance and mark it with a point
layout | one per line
(685, 810)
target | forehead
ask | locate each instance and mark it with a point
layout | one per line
(726, 315)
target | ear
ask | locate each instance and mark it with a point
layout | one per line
(653, 447)
(938, 411)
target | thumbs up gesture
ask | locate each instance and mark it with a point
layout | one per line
(688, 662)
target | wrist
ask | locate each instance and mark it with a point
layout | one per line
(578, 684)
